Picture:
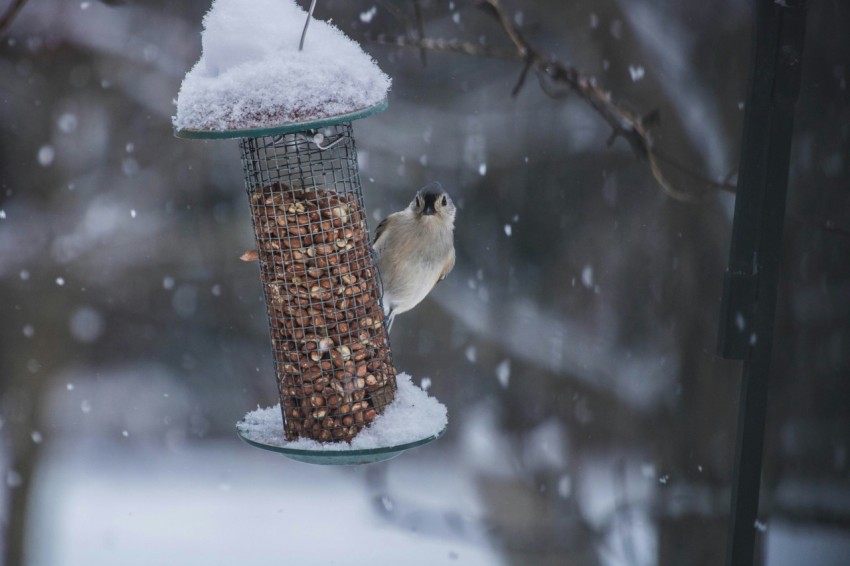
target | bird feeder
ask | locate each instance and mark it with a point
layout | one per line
(332, 357)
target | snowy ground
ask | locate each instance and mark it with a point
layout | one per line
(218, 502)
(150, 506)
(792, 545)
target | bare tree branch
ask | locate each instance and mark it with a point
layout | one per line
(9, 15)
(623, 123)
(556, 80)
(521, 81)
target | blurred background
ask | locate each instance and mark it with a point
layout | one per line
(591, 422)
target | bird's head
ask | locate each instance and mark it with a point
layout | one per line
(432, 200)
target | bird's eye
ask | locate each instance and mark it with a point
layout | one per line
(444, 202)
(417, 201)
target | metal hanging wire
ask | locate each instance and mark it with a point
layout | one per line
(306, 25)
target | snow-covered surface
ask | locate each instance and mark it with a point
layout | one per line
(214, 503)
(251, 74)
(789, 544)
(412, 416)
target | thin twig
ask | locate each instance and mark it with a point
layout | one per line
(420, 28)
(725, 185)
(820, 224)
(9, 15)
(521, 81)
(552, 74)
(442, 45)
(396, 13)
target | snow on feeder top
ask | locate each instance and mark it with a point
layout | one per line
(292, 110)
(252, 79)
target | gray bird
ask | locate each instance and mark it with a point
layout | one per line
(415, 249)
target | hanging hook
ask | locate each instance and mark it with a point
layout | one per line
(306, 24)
(317, 137)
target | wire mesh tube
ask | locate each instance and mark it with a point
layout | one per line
(332, 355)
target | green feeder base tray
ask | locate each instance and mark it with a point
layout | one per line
(331, 457)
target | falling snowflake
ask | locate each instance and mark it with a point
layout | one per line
(564, 486)
(636, 72)
(503, 373)
(13, 479)
(67, 122)
(587, 276)
(367, 16)
(46, 155)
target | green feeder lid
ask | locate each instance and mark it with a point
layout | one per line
(282, 128)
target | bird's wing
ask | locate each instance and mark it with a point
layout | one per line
(379, 231)
(447, 267)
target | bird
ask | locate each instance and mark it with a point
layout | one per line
(415, 249)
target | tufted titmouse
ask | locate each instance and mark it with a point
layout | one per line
(415, 249)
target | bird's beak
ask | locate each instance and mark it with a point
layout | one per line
(430, 202)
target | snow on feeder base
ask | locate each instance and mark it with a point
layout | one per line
(413, 419)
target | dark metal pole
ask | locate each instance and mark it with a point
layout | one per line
(750, 282)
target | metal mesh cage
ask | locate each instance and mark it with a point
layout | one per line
(332, 355)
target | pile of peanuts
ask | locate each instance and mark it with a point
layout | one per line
(332, 357)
